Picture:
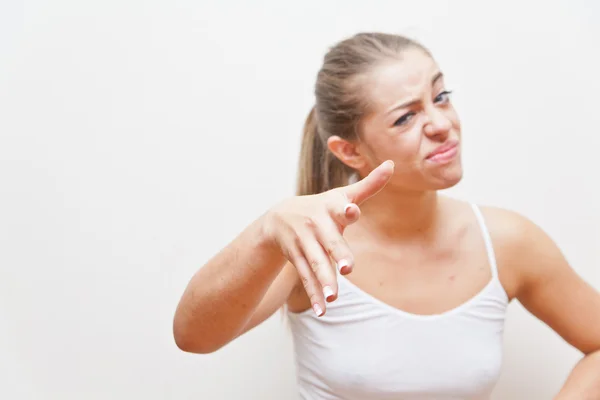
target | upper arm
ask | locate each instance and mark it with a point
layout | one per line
(550, 289)
(275, 297)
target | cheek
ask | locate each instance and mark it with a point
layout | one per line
(405, 151)
(406, 146)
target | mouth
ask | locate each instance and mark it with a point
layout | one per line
(444, 153)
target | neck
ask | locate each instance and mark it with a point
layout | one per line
(399, 214)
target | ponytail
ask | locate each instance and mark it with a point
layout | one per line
(318, 170)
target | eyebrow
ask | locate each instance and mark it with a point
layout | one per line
(409, 103)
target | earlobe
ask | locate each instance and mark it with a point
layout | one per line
(346, 151)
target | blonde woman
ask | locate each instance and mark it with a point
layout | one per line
(392, 290)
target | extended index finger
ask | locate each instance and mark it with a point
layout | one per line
(371, 184)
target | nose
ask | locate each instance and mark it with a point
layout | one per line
(437, 124)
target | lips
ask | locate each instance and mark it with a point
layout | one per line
(444, 152)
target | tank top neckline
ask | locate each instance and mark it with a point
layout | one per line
(494, 280)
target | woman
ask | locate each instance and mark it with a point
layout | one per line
(392, 290)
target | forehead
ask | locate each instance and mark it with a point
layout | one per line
(402, 79)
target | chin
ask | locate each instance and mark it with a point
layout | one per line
(424, 180)
(450, 178)
(448, 184)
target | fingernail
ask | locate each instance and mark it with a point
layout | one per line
(318, 310)
(327, 292)
(343, 265)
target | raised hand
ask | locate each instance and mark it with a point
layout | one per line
(309, 231)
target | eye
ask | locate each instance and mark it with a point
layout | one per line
(443, 97)
(404, 119)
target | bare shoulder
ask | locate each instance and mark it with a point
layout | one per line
(509, 230)
(542, 280)
(523, 249)
(514, 233)
(509, 227)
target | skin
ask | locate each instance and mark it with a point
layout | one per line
(403, 242)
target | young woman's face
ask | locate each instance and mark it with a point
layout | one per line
(412, 122)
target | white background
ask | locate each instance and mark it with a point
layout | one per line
(138, 137)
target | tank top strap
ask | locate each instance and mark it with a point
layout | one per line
(487, 239)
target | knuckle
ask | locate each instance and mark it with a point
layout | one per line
(310, 221)
(333, 246)
(297, 241)
(289, 254)
(293, 255)
(276, 217)
(315, 266)
(305, 282)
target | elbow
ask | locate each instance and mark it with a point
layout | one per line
(183, 342)
(193, 347)
(192, 342)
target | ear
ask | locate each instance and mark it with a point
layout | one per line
(347, 152)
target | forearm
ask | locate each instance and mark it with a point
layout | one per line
(223, 294)
(584, 381)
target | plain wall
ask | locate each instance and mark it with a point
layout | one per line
(137, 138)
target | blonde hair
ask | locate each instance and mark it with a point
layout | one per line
(340, 104)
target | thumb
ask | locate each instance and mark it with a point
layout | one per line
(371, 184)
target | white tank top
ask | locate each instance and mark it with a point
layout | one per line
(363, 348)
